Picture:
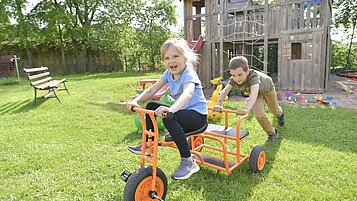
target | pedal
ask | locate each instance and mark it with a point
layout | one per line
(125, 175)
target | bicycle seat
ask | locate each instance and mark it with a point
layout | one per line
(168, 136)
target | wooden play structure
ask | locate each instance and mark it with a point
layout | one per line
(299, 29)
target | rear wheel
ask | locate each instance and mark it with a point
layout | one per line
(257, 159)
(138, 186)
(197, 141)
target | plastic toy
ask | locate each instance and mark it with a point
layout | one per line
(166, 98)
(288, 94)
(214, 99)
(212, 102)
(149, 182)
(313, 99)
(138, 125)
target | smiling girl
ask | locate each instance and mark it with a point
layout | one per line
(190, 107)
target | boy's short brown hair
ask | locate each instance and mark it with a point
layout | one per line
(238, 62)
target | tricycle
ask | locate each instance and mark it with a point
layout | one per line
(150, 183)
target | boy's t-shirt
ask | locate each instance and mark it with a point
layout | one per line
(198, 101)
(255, 77)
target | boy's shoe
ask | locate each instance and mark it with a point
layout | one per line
(186, 169)
(281, 120)
(272, 136)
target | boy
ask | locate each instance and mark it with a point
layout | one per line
(261, 90)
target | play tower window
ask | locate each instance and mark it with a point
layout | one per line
(295, 50)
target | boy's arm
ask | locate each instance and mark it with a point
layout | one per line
(222, 95)
(254, 90)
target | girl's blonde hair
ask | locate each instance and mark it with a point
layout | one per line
(182, 47)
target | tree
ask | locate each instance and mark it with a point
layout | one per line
(154, 21)
(132, 30)
(346, 17)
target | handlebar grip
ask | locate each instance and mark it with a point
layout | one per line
(169, 115)
(132, 108)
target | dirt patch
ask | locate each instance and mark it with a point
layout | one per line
(334, 94)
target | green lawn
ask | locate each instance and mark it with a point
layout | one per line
(76, 150)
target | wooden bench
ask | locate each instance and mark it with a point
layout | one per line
(40, 80)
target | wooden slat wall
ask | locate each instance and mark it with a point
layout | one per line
(308, 73)
(291, 15)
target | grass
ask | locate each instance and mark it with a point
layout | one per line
(76, 150)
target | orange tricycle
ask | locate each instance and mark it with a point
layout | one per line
(150, 183)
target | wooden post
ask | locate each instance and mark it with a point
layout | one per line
(187, 22)
(266, 35)
(221, 35)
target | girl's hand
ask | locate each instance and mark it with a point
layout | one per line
(160, 111)
(131, 104)
(241, 111)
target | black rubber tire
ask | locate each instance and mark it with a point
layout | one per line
(257, 159)
(195, 138)
(134, 181)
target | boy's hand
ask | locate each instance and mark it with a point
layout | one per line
(217, 108)
(241, 111)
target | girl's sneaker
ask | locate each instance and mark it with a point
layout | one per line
(135, 149)
(187, 167)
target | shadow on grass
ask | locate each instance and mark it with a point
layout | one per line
(20, 106)
(9, 83)
(111, 106)
(240, 184)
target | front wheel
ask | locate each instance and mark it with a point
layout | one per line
(138, 186)
(257, 159)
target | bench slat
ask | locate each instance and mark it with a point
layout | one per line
(31, 77)
(51, 84)
(31, 70)
(41, 81)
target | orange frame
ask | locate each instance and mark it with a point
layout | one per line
(150, 154)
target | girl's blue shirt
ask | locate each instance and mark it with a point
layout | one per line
(198, 101)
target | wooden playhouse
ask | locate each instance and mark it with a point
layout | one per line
(299, 29)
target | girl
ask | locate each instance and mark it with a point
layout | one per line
(190, 107)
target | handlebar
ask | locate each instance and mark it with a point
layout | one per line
(228, 111)
(168, 115)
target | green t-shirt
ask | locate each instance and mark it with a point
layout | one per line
(255, 77)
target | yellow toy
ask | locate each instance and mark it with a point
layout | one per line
(216, 81)
(214, 99)
(345, 87)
